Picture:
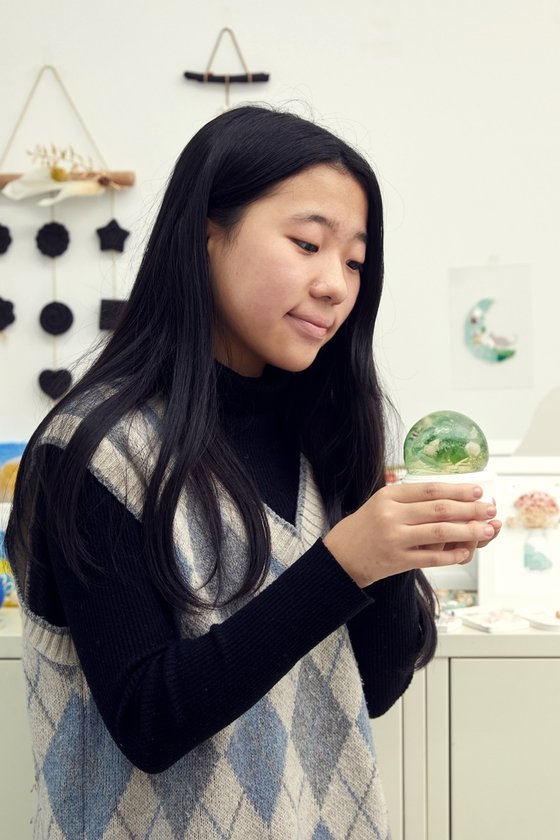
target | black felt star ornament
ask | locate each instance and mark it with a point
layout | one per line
(7, 316)
(112, 236)
(5, 239)
(56, 318)
(52, 239)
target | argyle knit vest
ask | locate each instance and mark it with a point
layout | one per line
(299, 765)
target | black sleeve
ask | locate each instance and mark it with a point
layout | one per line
(161, 695)
(386, 637)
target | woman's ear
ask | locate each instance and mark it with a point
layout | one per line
(213, 231)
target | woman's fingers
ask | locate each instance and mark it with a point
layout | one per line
(449, 532)
(421, 558)
(448, 510)
(497, 526)
(432, 491)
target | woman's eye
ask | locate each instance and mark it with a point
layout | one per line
(306, 246)
(355, 266)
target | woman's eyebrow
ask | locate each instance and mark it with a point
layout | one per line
(319, 219)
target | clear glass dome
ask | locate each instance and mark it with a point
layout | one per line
(445, 442)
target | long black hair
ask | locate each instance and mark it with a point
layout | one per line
(163, 348)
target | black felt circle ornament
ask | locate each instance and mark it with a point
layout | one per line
(56, 318)
(5, 239)
(55, 383)
(52, 239)
(7, 316)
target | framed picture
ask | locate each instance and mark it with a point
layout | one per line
(520, 569)
(8, 595)
(10, 454)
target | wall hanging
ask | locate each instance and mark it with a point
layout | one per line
(227, 79)
(490, 326)
(57, 174)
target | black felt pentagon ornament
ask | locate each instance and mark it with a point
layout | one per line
(5, 239)
(112, 236)
(52, 239)
(7, 316)
(56, 318)
(55, 383)
(110, 312)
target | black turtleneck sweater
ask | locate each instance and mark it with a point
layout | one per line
(122, 627)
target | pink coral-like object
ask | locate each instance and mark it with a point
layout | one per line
(536, 510)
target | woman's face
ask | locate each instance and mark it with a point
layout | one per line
(288, 275)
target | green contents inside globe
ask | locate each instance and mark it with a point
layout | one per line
(445, 442)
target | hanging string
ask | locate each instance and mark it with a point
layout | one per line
(70, 101)
(215, 50)
(113, 253)
(54, 292)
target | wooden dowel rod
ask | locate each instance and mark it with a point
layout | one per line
(241, 77)
(121, 179)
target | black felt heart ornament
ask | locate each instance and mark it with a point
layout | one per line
(55, 383)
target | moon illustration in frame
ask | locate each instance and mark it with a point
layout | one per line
(482, 340)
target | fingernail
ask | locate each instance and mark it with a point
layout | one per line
(491, 510)
(488, 531)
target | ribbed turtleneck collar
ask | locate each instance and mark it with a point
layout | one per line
(246, 395)
(253, 412)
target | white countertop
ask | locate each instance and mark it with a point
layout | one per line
(468, 642)
(463, 642)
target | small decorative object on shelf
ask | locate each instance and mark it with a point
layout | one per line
(494, 621)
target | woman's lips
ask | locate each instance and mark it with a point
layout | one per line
(314, 328)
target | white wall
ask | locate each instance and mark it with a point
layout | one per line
(454, 103)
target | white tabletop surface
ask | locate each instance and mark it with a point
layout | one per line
(464, 641)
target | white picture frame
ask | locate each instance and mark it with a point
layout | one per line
(520, 569)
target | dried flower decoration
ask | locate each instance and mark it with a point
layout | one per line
(63, 173)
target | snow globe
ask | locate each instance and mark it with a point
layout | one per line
(450, 447)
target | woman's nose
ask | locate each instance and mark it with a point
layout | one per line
(331, 284)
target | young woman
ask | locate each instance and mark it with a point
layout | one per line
(218, 590)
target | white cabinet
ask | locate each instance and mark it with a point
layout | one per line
(477, 740)
(17, 801)
(505, 748)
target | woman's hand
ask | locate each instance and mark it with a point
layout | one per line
(404, 527)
